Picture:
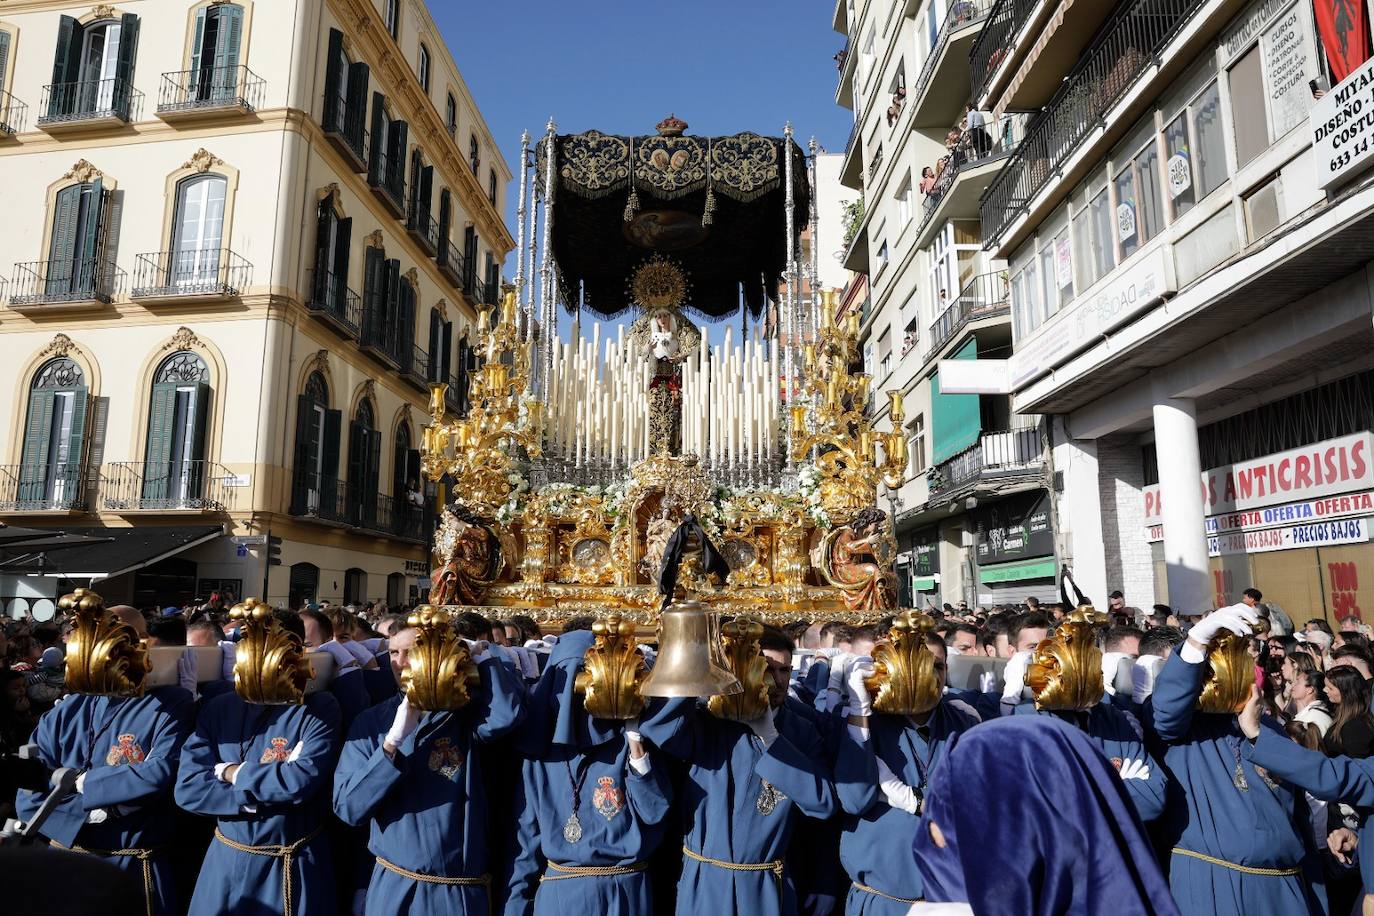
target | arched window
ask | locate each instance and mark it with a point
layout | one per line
(315, 485)
(178, 414)
(93, 68)
(355, 586)
(333, 236)
(50, 471)
(364, 465)
(305, 584)
(197, 232)
(214, 75)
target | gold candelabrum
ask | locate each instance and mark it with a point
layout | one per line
(479, 450)
(834, 423)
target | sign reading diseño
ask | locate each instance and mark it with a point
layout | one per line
(1342, 125)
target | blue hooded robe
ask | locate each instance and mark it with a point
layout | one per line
(740, 805)
(425, 804)
(875, 847)
(1059, 835)
(280, 797)
(1260, 826)
(621, 812)
(129, 749)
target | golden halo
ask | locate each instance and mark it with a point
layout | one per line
(659, 283)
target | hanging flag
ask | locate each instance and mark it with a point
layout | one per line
(1344, 33)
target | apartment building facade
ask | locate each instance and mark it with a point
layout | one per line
(1187, 228)
(244, 239)
(972, 518)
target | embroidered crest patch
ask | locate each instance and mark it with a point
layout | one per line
(607, 799)
(445, 759)
(278, 752)
(125, 751)
(1116, 762)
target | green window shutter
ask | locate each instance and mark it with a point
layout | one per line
(4, 56)
(329, 446)
(162, 412)
(307, 445)
(124, 65)
(446, 348)
(407, 316)
(91, 270)
(37, 435)
(445, 218)
(391, 310)
(354, 482)
(62, 250)
(398, 142)
(343, 238)
(65, 65)
(377, 153)
(333, 118)
(227, 37)
(323, 218)
(374, 295)
(76, 446)
(200, 439)
(196, 78)
(356, 114)
(426, 193)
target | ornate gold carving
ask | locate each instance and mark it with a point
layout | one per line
(1065, 672)
(586, 550)
(904, 682)
(202, 160)
(61, 345)
(183, 339)
(104, 656)
(659, 283)
(83, 172)
(440, 673)
(739, 641)
(613, 671)
(1230, 672)
(374, 239)
(270, 667)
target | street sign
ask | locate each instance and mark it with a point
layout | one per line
(249, 540)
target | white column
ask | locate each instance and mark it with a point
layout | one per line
(1180, 489)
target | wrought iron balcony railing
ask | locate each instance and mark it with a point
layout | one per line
(415, 365)
(455, 396)
(380, 336)
(961, 13)
(331, 298)
(14, 115)
(451, 262)
(197, 272)
(168, 486)
(995, 454)
(90, 100)
(211, 88)
(398, 516)
(43, 487)
(423, 227)
(389, 181)
(1127, 46)
(319, 496)
(995, 41)
(64, 281)
(985, 296)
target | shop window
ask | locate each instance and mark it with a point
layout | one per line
(1248, 118)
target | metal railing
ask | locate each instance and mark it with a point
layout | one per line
(1127, 45)
(211, 87)
(997, 139)
(168, 485)
(321, 496)
(208, 272)
(330, 295)
(994, 41)
(88, 100)
(43, 487)
(451, 262)
(391, 179)
(14, 114)
(995, 453)
(380, 335)
(65, 280)
(423, 227)
(985, 296)
(455, 398)
(414, 364)
(396, 515)
(961, 13)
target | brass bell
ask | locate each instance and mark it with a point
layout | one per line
(688, 662)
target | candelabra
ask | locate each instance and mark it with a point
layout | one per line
(834, 425)
(480, 451)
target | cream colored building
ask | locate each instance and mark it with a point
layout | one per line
(241, 239)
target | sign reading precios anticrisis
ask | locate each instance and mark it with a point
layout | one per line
(1342, 125)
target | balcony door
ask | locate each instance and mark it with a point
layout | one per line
(215, 53)
(54, 437)
(93, 68)
(100, 64)
(316, 484)
(178, 416)
(74, 262)
(198, 232)
(364, 466)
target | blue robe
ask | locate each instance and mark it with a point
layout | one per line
(875, 847)
(1261, 827)
(274, 801)
(814, 859)
(426, 806)
(129, 749)
(727, 769)
(1115, 735)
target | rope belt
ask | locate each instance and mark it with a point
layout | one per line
(285, 853)
(592, 871)
(144, 855)
(877, 893)
(482, 881)
(1243, 869)
(774, 866)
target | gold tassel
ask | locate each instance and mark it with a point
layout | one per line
(708, 215)
(632, 205)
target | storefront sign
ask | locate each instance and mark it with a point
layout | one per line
(1180, 174)
(1312, 510)
(1247, 25)
(1342, 126)
(1014, 529)
(417, 568)
(1288, 49)
(1125, 222)
(1329, 468)
(1321, 534)
(1043, 568)
(1133, 291)
(925, 549)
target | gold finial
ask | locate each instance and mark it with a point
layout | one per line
(904, 682)
(270, 667)
(612, 671)
(440, 673)
(1231, 671)
(105, 657)
(1065, 672)
(739, 641)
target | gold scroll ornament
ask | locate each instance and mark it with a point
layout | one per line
(904, 682)
(1065, 672)
(1231, 672)
(739, 640)
(440, 673)
(270, 667)
(104, 656)
(612, 671)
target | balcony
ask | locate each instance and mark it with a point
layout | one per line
(195, 95)
(335, 304)
(478, 291)
(998, 463)
(89, 105)
(972, 163)
(53, 488)
(14, 115)
(332, 501)
(1130, 45)
(851, 169)
(985, 296)
(176, 486)
(195, 274)
(455, 398)
(63, 285)
(415, 366)
(389, 185)
(423, 228)
(379, 338)
(350, 139)
(397, 516)
(990, 58)
(946, 67)
(319, 496)
(451, 262)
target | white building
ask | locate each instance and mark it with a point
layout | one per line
(243, 238)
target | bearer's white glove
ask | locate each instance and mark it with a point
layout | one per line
(765, 727)
(860, 702)
(480, 649)
(1135, 769)
(81, 783)
(898, 794)
(221, 769)
(406, 721)
(1014, 677)
(1238, 618)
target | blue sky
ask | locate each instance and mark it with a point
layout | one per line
(620, 67)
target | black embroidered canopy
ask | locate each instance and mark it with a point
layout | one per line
(715, 205)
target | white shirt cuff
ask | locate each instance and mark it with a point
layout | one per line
(1191, 654)
(641, 765)
(859, 733)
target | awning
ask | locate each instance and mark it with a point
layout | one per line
(126, 550)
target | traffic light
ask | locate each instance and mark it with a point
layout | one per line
(273, 550)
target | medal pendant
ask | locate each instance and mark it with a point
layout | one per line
(572, 828)
(768, 799)
(1240, 781)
